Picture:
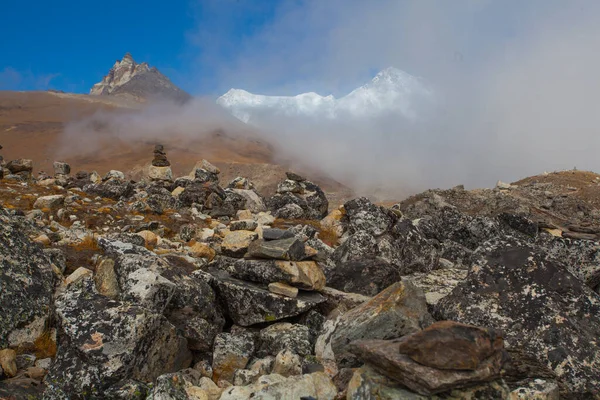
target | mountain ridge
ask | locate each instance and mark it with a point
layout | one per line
(140, 81)
(391, 90)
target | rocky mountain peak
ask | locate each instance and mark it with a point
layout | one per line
(139, 81)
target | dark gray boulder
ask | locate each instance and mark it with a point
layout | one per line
(545, 312)
(26, 284)
(364, 276)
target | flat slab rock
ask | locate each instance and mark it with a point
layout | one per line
(250, 303)
(302, 274)
(383, 355)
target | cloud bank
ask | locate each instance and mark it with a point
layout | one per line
(518, 85)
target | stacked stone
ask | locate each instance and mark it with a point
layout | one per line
(160, 157)
(61, 172)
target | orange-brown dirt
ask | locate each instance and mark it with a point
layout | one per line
(32, 124)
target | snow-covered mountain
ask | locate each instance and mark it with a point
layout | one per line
(390, 91)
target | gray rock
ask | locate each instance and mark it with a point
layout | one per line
(27, 283)
(20, 165)
(243, 225)
(253, 201)
(61, 168)
(364, 216)
(287, 363)
(302, 274)
(285, 336)
(316, 385)
(544, 311)
(148, 289)
(174, 386)
(289, 211)
(289, 186)
(231, 352)
(203, 176)
(102, 341)
(248, 303)
(276, 234)
(366, 276)
(397, 311)
(51, 202)
(283, 249)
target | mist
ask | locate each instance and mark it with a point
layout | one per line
(517, 88)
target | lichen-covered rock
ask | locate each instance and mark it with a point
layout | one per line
(112, 189)
(285, 336)
(311, 386)
(287, 363)
(545, 312)
(175, 386)
(231, 352)
(51, 202)
(397, 311)
(148, 289)
(305, 275)
(102, 342)
(363, 216)
(368, 384)
(439, 283)
(249, 303)
(26, 284)
(366, 276)
(536, 389)
(299, 199)
(276, 234)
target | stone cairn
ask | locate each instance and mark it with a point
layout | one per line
(160, 157)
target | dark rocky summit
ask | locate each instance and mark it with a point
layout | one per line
(186, 288)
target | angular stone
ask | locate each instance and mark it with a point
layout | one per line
(253, 201)
(305, 275)
(235, 244)
(277, 234)
(160, 173)
(247, 303)
(397, 311)
(148, 289)
(364, 276)
(311, 386)
(243, 377)
(451, 345)
(384, 357)
(283, 289)
(289, 186)
(202, 250)
(231, 352)
(61, 168)
(52, 202)
(20, 165)
(283, 249)
(287, 363)
(150, 238)
(243, 225)
(285, 336)
(290, 211)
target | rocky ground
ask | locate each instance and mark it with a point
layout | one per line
(198, 288)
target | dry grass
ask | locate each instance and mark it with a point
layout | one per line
(87, 243)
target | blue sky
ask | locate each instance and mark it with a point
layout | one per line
(70, 45)
(268, 46)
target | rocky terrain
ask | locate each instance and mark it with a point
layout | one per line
(199, 287)
(139, 82)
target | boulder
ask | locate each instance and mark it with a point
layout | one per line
(364, 276)
(305, 275)
(439, 283)
(282, 249)
(276, 234)
(383, 355)
(544, 311)
(285, 336)
(397, 311)
(243, 225)
(61, 168)
(253, 201)
(248, 303)
(8, 362)
(26, 282)
(102, 342)
(20, 165)
(287, 363)
(289, 186)
(231, 352)
(363, 216)
(52, 202)
(297, 200)
(160, 173)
